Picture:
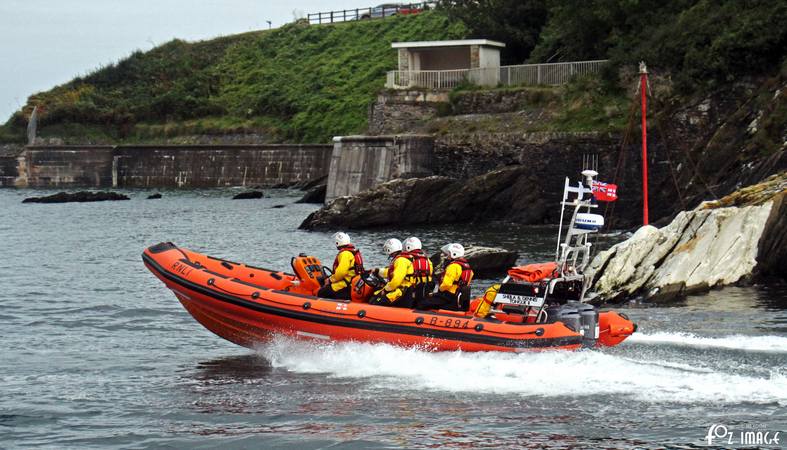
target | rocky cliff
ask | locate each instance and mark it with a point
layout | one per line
(729, 241)
(701, 147)
(773, 244)
(511, 194)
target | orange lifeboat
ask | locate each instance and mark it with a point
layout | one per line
(247, 305)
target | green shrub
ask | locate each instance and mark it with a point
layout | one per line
(11, 135)
(517, 23)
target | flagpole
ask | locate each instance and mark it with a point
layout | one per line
(643, 76)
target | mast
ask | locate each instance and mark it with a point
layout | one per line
(643, 77)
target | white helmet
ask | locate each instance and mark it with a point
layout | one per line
(412, 243)
(341, 239)
(453, 251)
(392, 246)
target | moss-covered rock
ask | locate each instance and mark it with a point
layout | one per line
(756, 194)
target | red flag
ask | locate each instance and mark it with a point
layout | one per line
(604, 192)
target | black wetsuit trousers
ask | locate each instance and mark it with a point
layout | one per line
(328, 292)
(405, 301)
(439, 300)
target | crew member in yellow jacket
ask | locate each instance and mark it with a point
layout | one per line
(423, 271)
(346, 265)
(398, 291)
(453, 291)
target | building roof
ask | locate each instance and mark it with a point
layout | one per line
(455, 43)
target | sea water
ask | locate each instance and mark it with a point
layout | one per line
(97, 353)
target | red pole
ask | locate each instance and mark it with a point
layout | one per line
(644, 90)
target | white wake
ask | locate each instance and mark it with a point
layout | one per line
(735, 342)
(548, 374)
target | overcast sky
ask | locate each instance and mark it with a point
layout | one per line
(48, 42)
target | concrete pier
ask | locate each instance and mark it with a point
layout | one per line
(362, 162)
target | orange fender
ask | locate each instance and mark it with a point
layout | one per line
(614, 328)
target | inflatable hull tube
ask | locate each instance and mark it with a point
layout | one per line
(247, 305)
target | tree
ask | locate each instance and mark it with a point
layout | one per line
(517, 23)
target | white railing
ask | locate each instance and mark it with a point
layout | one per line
(432, 79)
(527, 74)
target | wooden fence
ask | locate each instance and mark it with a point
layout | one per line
(376, 12)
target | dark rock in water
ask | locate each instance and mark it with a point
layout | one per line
(505, 194)
(394, 202)
(154, 196)
(82, 196)
(485, 261)
(280, 186)
(278, 206)
(248, 195)
(314, 195)
(312, 183)
(773, 243)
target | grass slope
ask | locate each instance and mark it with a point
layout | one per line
(297, 83)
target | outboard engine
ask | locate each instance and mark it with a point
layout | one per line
(588, 318)
(570, 317)
(553, 312)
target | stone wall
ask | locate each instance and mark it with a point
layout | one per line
(475, 56)
(362, 162)
(396, 112)
(404, 59)
(402, 111)
(170, 165)
(215, 166)
(65, 165)
(9, 171)
(500, 101)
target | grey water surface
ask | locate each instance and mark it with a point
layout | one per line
(97, 353)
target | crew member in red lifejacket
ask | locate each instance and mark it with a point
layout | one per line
(423, 283)
(398, 291)
(346, 265)
(454, 290)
